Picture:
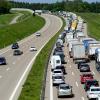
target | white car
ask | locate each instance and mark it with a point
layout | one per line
(38, 34)
(93, 93)
(33, 49)
(64, 90)
(57, 72)
(58, 80)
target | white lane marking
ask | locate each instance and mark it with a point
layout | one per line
(82, 98)
(70, 66)
(67, 56)
(68, 60)
(28, 67)
(93, 72)
(76, 83)
(0, 76)
(73, 73)
(8, 69)
(13, 63)
(51, 87)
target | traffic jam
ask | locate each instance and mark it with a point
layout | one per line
(81, 50)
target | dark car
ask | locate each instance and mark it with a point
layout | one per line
(62, 68)
(2, 61)
(17, 52)
(57, 49)
(15, 46)
(84, 68)
(90, 83)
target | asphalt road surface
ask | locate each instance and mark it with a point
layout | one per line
(72, 77)
(14, 73)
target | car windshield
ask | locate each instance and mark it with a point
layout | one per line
(58, 77)
(57, 61)
(96, 89)
(87, 75)
(57, 71)
(92, 83)
(64, 87)
(1, 59)
(85, 65)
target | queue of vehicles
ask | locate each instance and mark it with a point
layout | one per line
(82, 50)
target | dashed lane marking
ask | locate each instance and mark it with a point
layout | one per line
(76, 84)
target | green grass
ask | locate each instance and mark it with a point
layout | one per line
(18, 31)
(32, 88)
(5, 19)
(25, 16)
(93, 21)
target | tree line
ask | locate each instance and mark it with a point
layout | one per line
(65, 5)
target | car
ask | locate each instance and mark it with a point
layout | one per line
(90, 83)
(57, 80)
(33, 48)
(15, 46)
(57, 72)
(84, 68)
(93, 93)
(17, 52)
(62, 56)
(86, 76)
(38, 34)
(64, 90)
(80, 63)
(2, 61)
(62, 68)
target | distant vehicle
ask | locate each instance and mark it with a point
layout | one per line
(64, 90)
(38, 34)
(58, 80)
(17, 52)
(33, 48)
(78, 52)
(57, 72)
(55, 61)
(15, 46)
(90, 83)
(62, 68)
(93, 93)
(2, 61)
(84, 68)
(86, 76)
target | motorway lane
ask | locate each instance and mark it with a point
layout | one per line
(11, 73)
(72, 77)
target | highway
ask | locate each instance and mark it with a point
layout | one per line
(72, 77)
(13, 75)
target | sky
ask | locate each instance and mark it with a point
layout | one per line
(48, 1)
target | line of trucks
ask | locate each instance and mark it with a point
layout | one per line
(81, 48)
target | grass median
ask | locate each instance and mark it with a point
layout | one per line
(5, 19)
(32, 88)
(93, 21)
(18, 31)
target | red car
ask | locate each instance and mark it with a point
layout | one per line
(85, 77)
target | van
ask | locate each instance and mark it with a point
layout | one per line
(55, 61)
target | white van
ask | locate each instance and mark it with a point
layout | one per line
(55, 61)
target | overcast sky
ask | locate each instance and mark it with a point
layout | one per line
(48, 1)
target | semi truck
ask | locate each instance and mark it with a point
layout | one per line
(78, 52)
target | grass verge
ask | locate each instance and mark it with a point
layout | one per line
(33, 85)
(93, 21)
(18, 31)
(5, 19)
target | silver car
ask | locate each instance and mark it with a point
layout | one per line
(58, 80)
(64, 90)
